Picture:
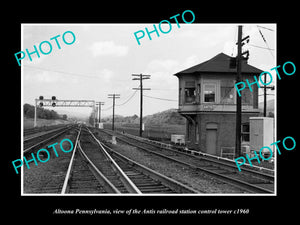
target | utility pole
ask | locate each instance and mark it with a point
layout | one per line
(265, 94)
(35, 114)
(265, 97)
(99, 110)
(239, 59)
(113, 96)
(141, 77)
(238, 98)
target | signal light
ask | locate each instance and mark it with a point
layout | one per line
(53, 104)
(41, 104)
(53, 98)
(41, 97)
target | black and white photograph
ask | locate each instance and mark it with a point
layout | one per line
(144, 109)
(166, 112)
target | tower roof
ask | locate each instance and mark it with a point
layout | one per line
(220, 64)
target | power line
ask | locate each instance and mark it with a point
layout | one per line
(160, 89)
(265, 41)
(265, 28)
(128, 99)
(141, 77)
(67, 73)
(147, 96)
(63, 72)
(163, 99)
(107, 108)
(262, 47)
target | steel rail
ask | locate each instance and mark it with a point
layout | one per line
(107, 185)
(31, 131)
(45, 140)
(129, 185)
(207, 158)
(44, 133)
(167, 181)
(237, 183)
(68, 174)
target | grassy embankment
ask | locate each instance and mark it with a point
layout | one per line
(28, 122)
(155, 132)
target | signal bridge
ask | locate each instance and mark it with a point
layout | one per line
(41, 102)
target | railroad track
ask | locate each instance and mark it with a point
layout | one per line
(141, 179)
(93, 168)
(248, 180)
(146, 180)
(262, 171)
(83, 176)
(75, 174)
(33, 142)
(34, 130)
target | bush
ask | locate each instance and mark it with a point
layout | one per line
(41, 112)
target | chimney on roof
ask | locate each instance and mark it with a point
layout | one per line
(232, 63)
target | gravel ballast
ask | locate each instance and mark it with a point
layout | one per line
(48, 177)
(196, 179)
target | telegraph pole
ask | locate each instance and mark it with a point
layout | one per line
(265, 94)
(265, 97)
(141, 77)
(35, 115)
(99, 110)
(239, 98)
(113, 96)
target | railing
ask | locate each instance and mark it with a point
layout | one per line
(215, 107)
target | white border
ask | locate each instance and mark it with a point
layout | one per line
(195, 195)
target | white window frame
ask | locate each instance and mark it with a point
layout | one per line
(216, 93)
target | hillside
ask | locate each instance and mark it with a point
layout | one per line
(42, 113)
(29, 122)
(170, 116)
(122, 119)
(270, 106)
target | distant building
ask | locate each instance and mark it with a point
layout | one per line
(207, 99)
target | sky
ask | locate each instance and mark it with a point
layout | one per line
(103, 58)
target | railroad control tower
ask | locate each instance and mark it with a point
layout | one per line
(207, 99)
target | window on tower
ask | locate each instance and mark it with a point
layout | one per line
(209, 93)
(190, 92)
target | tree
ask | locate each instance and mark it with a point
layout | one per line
(41, 112)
